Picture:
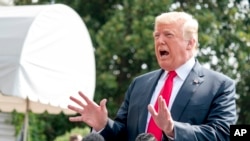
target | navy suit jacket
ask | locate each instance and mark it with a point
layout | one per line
(203, 109)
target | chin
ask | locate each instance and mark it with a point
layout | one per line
(164, 66)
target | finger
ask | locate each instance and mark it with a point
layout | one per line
(163, 104)
(167, 111)
(87, 100)
(73, 108)
(103, 104)
(160, 104)
(75, 119)
(152, 110)
(163, 108)
(76, 101)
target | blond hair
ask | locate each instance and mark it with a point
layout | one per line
(189, 24)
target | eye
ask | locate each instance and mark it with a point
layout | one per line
(156, 36)
(169, 35)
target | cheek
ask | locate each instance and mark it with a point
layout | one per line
(155, 42)
(181, 47)
(156, 50)
(157, 54)
(178, 52)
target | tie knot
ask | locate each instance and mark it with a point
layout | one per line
(172, 74)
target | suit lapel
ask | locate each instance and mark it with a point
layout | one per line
(150, 87)
(189, 87)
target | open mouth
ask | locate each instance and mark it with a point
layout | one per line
(164, 53)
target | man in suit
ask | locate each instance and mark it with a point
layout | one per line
(202, 103)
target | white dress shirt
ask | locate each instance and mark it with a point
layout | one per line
(182, 73)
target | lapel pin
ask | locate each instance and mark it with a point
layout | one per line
(196, 81)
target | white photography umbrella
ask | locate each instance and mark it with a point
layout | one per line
(46, 55)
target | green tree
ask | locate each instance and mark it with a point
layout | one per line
(46, 126)
(121, 32)
(125, 45)
(125, 48)
(225, 43)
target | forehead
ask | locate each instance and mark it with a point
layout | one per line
(166, 28)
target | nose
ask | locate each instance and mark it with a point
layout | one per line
(161, 40)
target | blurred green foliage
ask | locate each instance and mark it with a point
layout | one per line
(121, 32)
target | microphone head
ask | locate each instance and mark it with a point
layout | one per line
(145, 137)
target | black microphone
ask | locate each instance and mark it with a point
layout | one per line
(145, 137)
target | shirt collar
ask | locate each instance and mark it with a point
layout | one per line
(184, 69)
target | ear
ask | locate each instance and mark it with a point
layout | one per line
(191, 44)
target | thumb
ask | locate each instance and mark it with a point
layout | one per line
(152, 110)
(103, 104)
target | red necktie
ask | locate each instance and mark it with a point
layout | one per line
(165, 92)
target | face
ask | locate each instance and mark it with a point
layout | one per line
(170, 47)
